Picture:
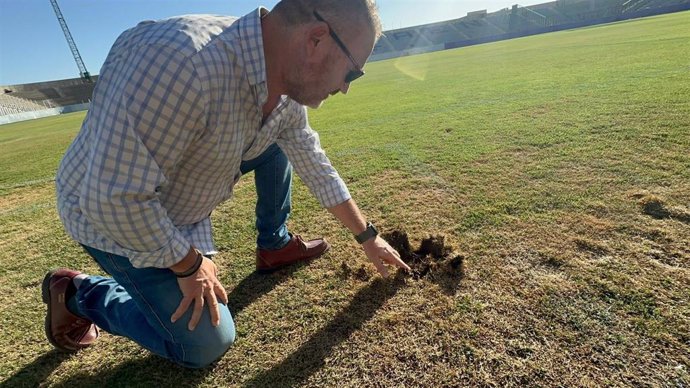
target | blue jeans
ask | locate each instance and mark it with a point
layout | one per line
(137, 303)
(273, 179)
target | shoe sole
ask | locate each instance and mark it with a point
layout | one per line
(45, 295)
(306, 260)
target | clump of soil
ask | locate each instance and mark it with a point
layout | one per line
(434, 260)
(360, 274)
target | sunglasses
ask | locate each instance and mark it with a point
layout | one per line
(352, 74)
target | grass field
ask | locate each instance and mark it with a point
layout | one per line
(558, 165)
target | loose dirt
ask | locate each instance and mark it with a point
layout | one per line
(434, 261)
(360, 274)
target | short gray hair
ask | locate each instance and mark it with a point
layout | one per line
(339, 13)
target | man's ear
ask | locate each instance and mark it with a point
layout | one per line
(315, 36)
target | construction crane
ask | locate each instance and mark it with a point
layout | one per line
(72, 46)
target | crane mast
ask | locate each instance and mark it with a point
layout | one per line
(72, 46)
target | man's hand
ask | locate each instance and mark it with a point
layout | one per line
(377, 249)
(202, 286)
(380, 252)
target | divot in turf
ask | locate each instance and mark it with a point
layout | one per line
(433, 261)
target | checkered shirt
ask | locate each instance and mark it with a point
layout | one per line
(176, 109)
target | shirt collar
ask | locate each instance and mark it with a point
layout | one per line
(251, 41)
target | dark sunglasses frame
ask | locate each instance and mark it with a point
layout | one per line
(352, 74)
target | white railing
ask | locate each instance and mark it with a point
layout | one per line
(35, 114)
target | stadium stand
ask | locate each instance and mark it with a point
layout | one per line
(440, 33)
(383, 46)
(53, 93)
(407, 38)
(477, 28)
(481, 27)
(653, 4)
(41, 99)
(10, 104)
(523, 18)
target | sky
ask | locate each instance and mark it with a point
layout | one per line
(33, 47)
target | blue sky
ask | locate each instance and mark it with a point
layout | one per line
(33, 48)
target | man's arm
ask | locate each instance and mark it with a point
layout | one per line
(376, 249)
(303, 149)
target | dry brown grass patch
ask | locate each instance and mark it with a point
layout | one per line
(26, 196)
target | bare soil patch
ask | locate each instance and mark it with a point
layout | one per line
(434, 260)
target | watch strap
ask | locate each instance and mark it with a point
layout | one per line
(367, 234)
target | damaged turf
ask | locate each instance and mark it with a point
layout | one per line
(434, 260)
(360, 274)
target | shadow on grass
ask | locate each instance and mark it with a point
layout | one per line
(256, 285)
(147, 372)
(296, 368)
(310, 357)
(152, 370)
(32, 375)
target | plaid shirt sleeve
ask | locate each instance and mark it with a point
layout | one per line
(151, 112)
(302, 146)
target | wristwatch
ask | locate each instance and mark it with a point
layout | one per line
(367, 234)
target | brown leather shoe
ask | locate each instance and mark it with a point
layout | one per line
(297, 250)
(64, 330)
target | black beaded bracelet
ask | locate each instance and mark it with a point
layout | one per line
(192, 270)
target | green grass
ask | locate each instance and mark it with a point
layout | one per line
(31, 150)
(535, 157)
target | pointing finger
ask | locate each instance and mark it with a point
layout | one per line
(380, 267)
(396, 261)
(399, 263)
